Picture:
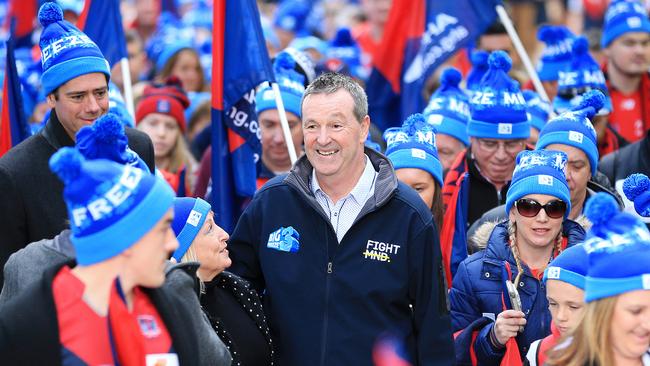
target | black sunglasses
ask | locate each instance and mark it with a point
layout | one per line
(530, 208)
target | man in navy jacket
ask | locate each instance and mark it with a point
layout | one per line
(341, 251)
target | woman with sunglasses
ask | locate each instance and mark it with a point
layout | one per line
(516, 252)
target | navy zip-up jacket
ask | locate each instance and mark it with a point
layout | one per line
(327, 303)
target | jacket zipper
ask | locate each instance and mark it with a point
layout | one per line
(326, 315)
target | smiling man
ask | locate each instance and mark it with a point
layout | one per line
(340, 249)
(75, 80)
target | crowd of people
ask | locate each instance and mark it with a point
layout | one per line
(494, 227)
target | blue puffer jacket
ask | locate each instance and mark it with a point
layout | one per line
(478, 285)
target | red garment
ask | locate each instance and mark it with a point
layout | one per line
(177, 181)
(84, 334)
(547, 344)
(362, 35)
(631, 115)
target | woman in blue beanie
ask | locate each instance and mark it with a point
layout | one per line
(181, 60)
(565, 291)
(412, 150)
(616, 325)
(497, 295)
(233, 308)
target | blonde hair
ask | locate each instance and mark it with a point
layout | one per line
(591, 343)
(512, 239)
(180, 155)
(189, 256)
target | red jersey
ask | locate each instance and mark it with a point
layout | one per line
(627, 116)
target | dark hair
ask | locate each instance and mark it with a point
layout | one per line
(437, 206)
(495, 28)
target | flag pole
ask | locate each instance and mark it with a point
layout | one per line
(128, 86)
(284, 123)
(521, 51)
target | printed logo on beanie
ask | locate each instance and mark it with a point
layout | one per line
(553, 273)
(576, 136)
(646, 281)
(418, 153)
(505, 129)
(545, 180)
(64, 43)
(163, 106)
(634, 22)
(194, 218)
(539, 158)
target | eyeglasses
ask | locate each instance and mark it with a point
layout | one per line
(512, 147)
(530, 208)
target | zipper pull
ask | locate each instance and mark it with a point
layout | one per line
(329, 267)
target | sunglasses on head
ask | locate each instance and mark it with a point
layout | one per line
(530, 208)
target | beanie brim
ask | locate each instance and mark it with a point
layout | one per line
(611, 33)
(189, 231)
(449, 126)
(564, 275)
(405, 158)
(550, 70)
(536, 122)
(531, 185)
(121, 235)
(565, 138)
(61, 73)
(265, 100)
(504, 131)
(598, 288)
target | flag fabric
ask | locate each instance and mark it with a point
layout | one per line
(236, 71)
(25, 12)
(13, 124)
(419, 36)
(101, 20)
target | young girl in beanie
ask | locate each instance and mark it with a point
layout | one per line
(233, 308)
(503, 281)
(179, 59)
(616, 326)
(565, 291)
(412, 150)
(160, 114)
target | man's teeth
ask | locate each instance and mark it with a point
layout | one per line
(327, 153)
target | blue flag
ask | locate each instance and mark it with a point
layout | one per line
(236, 71)
(101, 20)
(13, 124)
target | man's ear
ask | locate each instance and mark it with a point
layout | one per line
(365, 127)
(51, 100)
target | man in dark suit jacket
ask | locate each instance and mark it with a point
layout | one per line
(75, 80)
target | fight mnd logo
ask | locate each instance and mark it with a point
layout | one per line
(380, 251)
(284, 240)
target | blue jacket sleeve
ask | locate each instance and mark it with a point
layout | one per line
(428, 295)
(244, 246)
(489, 355)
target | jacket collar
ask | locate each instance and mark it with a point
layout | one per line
(55, 134)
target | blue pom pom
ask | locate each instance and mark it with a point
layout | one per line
(635, 185)
(580, 46)
(413, 123)
(499, 60)
(108, 129)
(548, 34)
(479, 59)
(50, 13)
(284, 61)
(601, 208)
(66, 163)
(450, 77)
(592, 101)
(343, 38)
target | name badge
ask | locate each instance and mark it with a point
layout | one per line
(162, 359)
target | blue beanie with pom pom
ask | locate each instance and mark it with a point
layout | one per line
(110, 206)
(66, 52)
(414, 146)
(570, 266)
(479, 60)
(556, 56)
(498, 107)
(618, 245)
(574, 128)
(637, 189)
(448, 108)
(291, 85)
(624, 16)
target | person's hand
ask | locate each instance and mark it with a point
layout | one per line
(507, 325)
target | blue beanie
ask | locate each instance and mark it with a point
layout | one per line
(414, 146)
(498, 107)
(582, 75)
(479, 60)
(189, 217)
(110, 206)
(574, 128)
(570, 266)
(66, 52)
(291, 86)
(537, 109)
(343, 47)
(105, 139)
(117, 105)
(556, 55)
(305, 43)
(169, 50)
(292, 16)
(539, 172)
(448, 109)
(622, 17)
(637, 189)
(618, 244)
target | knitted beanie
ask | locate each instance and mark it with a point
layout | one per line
(637, 189)
(618, 245)
(106, 139)
(537, 109)
(556, 55)
(292, 16)
(539, 172)
(414, 146)
(574, 128)
(498, 107)
(290, 83)
(66, 52)
(570, 266)
(169, 50)
(582, 75)
(479, 60)
(624, 16)
(169, 99)
(448, 108)
(189, 217)
(110, 206)
(343, 47)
